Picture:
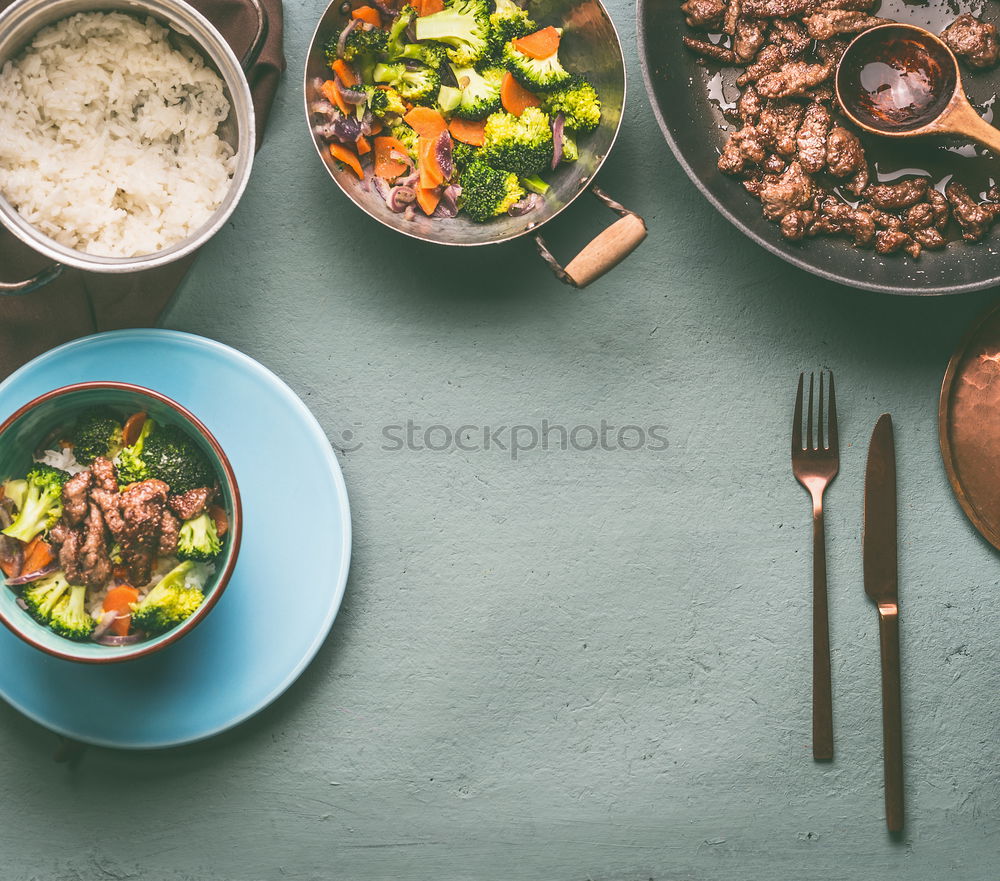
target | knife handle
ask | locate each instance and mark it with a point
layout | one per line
(892, 714)
(822, 704)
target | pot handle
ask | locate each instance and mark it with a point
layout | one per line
(17, 288)
(602, 253)
(257, 44)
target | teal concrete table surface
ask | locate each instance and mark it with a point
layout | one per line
(576, 637)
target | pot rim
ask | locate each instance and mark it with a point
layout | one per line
(530, 228)
(182, 18)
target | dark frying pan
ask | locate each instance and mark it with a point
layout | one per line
(695, 128)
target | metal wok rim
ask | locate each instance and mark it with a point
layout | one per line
(766, 243)
(582, 187)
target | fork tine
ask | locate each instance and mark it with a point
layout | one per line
(819, 420)
(809, 424)
(797, 418)
(832, 432)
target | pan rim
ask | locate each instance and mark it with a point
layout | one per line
(531, 228)
(767, 244)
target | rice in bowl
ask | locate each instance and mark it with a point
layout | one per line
(110, 139)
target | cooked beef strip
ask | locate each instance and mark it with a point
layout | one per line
(810, 140)
(930, 239)
(142, 506)
(709, 50)
(76, 497)
(170, 528)
(791, 36)
(731, 17)
(793, 189)
(793, 78)
(795, 224)
(749, 105)
(894, 197)
(887, 241)
(748, 39)
(825, 24)
(703, 14)
(191, 503)
(743, 148)
(69, 556)
(779, 124)
(972, 40)
(919, 216)
(94, 565)
(110, 505)
(942, 212)
(974, 219)
(844, 153)
(104, 474)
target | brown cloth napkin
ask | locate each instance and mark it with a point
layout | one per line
(80, 303)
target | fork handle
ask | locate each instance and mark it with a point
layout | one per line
(822, 715)
(892, 714)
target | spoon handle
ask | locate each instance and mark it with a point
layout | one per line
(964, 120)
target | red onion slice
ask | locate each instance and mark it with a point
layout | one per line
(107, 619)
(558, 124)
(351, 96)
(32, 576)
(442, 153)
(400, 198)
(113, 639)
(344, 34)
(448, 206)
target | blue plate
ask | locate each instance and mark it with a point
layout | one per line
(254, 643)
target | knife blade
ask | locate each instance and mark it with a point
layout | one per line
(878, 543)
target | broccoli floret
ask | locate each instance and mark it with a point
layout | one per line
(172, 456)
(464, 155)
(508, 22)
(535, 184)
(42, 596)
(480, 92)
(448, 99)
(535, 74)
(413, 80)
(407, 137)
(432, 54)
(396, 42)
(96, 433)
(198, 539)
(129, 464)
(522, 144)
(383, 101)
(364, 46)
(463, 26)
(42, 505)
(170, 602)
(70, 617)
(487, 191)
(577, 101)
(570, 151)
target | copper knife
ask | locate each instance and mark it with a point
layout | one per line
(878, 543)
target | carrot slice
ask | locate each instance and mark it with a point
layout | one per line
(363, 146)
(118, 600)
(431, 175)
(368, 14)
(426, 121)
(37, 555)
(428, 199)
(429, 7)
(346, 73)
(468, 131)
(9, 567)
(333, 95)
(376, 127)
(515, 97)
(541, 44)
(221, 518)
(343, 154)
(385, 166)
(133, 428)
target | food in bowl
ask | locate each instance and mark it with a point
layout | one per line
(112, 533)
(793, 150)
(110, 135)
(452, 108)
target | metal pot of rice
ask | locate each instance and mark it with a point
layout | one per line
(128, 132)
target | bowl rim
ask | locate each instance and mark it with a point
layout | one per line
(531, 228)
(235, 518)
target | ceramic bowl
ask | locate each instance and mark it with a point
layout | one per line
(20, 435)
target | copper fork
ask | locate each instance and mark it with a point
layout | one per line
(814, 464)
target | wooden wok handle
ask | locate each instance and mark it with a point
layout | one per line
(602, 253)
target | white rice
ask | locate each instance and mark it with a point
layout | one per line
(109, 136)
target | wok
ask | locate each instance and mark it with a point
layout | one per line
(589, 45)
(679, 89)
